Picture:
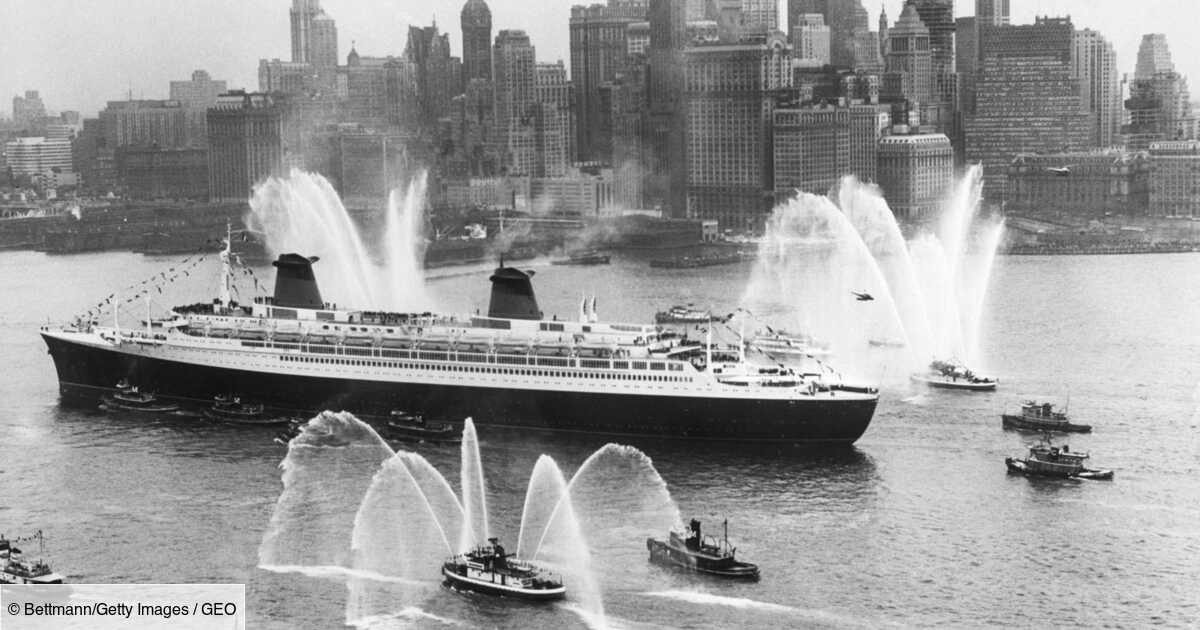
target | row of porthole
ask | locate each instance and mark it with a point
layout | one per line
(489, 370)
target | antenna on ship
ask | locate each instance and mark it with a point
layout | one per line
(226, 271)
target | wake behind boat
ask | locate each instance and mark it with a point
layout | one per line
(700, 554)
(488, 569)
(511, 366)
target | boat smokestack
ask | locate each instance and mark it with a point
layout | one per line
(295, 285)
(512, 295)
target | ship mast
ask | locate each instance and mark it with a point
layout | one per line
(708, 344)
(226, 271)
(117, 316)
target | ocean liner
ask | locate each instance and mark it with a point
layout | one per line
(297, 354)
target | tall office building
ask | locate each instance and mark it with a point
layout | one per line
(144, 123)
(915, 173)
(810, 40)
(666, 179)
(245, 144)
(599, 52)
(314, 40)
(1159, 104)
(554, 116)
(810, 149)
(938, 17)
(28, 109)
(853, 44)
(760, 16)
(730, 93)
(476, 21)
(36, 155)
(513, 71)
(908, 74)
(1027, 98)
(439, 76)
(1174, 179)
(196, 96)
(1099, 85)
(993, 12)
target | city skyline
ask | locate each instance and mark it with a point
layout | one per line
(49, 52)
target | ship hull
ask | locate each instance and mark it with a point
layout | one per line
(87, 372)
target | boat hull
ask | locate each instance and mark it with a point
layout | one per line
(964, 385)
(1017, 422)
(1017, 466)
(503, 590)
(663, 554)
(87, 372)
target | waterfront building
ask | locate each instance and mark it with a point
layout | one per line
(367, 101)
(1175, 179)
(666, 177)
(868, 125)
(28, 110)
(1099, 85)
(916, 173)
(245, 143)
(810, 40)
(370, 165)
(575, 194)
(33, 156)
(1027, 98)
(810, 150)
(1096, 183)
(476, 22)
(626, 98)
(1159, 104)
(145, 123)
(729, 93)
(908, 74)
(993, 12)
(600, 49)
(92, 158)
(196, 96)
(151, 173)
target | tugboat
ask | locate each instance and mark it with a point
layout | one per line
(15, 569)
(412, 427)
(1047, 460)
(130, 398)
(232, 409)
(488, 569)
(695, 553)
(1042, 417)
(948, 375)
(682, 315)
(582, 257)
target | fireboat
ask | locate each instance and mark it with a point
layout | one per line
(488, 569)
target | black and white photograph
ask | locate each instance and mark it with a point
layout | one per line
(633, 315)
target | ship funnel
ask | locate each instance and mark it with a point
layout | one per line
(512, 295)
(295, 286)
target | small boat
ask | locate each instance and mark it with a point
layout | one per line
(16, 569)
(1047, 460)
(1036, 416)
(488, 569)
(947, 375)
(232, 409)
(781, 345)
(682, 315)
(582, 257)
(294, 427)
(413, 427)
(701, 555)
(130, 398)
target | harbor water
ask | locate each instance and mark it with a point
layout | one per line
(918, 525)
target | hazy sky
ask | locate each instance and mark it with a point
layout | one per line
(80, 54)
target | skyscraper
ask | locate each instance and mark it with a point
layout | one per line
(513, 71)
(852, 43)
(992, 12)
(1027, 98)
(599, 52)
(28, 109)
(553, 115)
(938, 17)
(245, 144)
(314, 40)
(1159, 102)
(438, 73)
(1099, 84)
(760, 16)
(666, 181)
(729, 98)
(810, 39)
(476, 20)
(908, 74)
(197, 96)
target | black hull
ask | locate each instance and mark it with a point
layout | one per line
(665, 555)
(1019, 423)
(85, 373)
(460, 582)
